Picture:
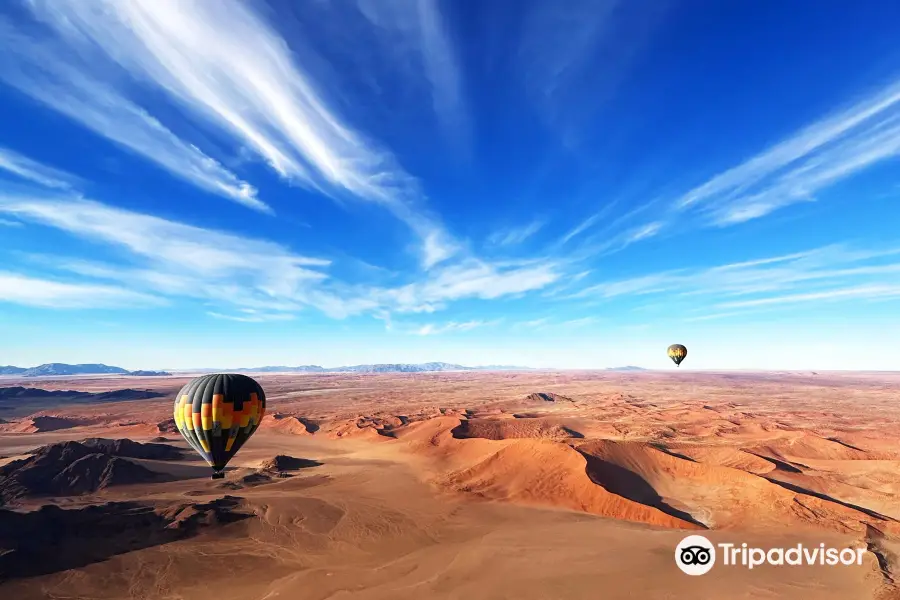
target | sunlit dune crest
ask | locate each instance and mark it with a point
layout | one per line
(393, 482)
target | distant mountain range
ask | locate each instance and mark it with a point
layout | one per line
(61, 369)
(150, 373)
(378, 368)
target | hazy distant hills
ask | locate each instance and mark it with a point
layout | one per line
(62, 369)
(377, 368)
(399, 368)
(149, 373)
(403, 368)
(282, 369)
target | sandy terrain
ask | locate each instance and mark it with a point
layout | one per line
(463, 485)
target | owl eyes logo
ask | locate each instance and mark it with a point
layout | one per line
(695, 555)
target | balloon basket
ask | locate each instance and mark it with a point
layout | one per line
(218, 475)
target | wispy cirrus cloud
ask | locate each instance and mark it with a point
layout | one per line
(805, 163)
(545, 323)
(47, 293)
(252, 316)
(248, 84)
(611, 237)
(515, 235)
(643, 232)
(172, 259)
(871, 291)
(558, 38)
(563, 44)
(9, 223)
(31, 170)
(450, 327)
(835, 272)
(63, 79)
(534, 323)
(581, 322)
(469, 279)
(418, 34)
(586, 224)
(794, 170)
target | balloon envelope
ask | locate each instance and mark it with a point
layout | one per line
(218, 413)
(677, 352)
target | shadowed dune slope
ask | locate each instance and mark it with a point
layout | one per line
(548, 473)
(71, 468)
(496, 429)
(718, 496)
(463, 485)
(52, 539)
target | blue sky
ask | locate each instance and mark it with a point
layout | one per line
(554, 184)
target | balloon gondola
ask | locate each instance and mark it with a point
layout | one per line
(216, 414)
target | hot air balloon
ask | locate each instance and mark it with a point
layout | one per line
(677, 352)
(217, 414)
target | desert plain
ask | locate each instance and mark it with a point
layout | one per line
(471, 485)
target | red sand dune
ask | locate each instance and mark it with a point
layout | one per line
(286, 424)
(497, 429)
(546, 473)
(726, 456)
(478, 486)
(814, 447)
(40, 424)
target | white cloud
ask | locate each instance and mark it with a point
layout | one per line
(805, 163)
(247, 83)
(591, 221)
(43, 293)
(174, 259)
(564, 44)
(858, 292)
(611, 238)
(643, 232)
(62, 78)
(452, 326)
(515, 235)
(829, 273)
(578, 322)
(437, 247)
(535, 323)
(253, 317)
(468, 279)
(8, 223)
(193, 249)
(417, 31)
(581, 227)
(29, 169)
(558, 38)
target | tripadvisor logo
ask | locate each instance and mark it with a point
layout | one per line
(696, 555)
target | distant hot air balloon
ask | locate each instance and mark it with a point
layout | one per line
(217, 414)
(677, 352)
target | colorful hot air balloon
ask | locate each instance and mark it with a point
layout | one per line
(217, 414)
(677, 352)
